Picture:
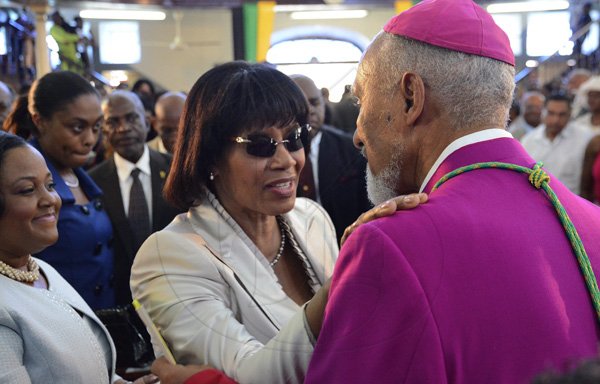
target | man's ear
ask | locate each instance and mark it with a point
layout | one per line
(412, 89)
(148, 120)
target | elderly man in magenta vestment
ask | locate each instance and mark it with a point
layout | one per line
(482, 284)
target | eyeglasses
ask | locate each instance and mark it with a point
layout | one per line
(264, 146)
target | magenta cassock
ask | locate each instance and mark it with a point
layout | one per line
(478, 285)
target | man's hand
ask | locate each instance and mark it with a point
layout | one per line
(386, 209)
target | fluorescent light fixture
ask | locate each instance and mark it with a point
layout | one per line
(338, 14)
(531, 63)
(529, 6)
(121, 14)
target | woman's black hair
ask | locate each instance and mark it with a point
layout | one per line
(55, 90)
(226, 101)
(19, 120)
(138, 84)
(8, 142)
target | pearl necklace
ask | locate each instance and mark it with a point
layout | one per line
(281, 246)
(71, 184)
(29, 276)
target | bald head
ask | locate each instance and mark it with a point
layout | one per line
(119, 96)
(125, 124)
(315, 100)
(168, 109)
(6, 99)
(532, 105)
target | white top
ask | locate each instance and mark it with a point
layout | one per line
(124, 168)
(563, 156)
(586, 122)
(217, 300)
(51, 335)
(472, 138)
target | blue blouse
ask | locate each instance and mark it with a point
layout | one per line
(83, 254)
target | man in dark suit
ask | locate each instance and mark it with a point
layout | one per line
(338, 183)
(132, 181)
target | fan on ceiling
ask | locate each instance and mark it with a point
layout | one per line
(178, 42)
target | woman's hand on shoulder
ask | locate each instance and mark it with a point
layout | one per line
(386, 208)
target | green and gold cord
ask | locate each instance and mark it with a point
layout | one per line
(540, 179)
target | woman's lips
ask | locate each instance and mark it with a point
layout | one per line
(284, 187)
(46, 218)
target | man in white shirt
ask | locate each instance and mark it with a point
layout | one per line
(590, 92)
(532, 104)
(560, 145)
(134, 167)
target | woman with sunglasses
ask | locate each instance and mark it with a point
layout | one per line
(229, 282)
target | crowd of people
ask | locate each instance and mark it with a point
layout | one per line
(266, 245)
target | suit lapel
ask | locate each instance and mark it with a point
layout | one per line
(327, 161)
(113, 202)
(159, 169)
(229, 244)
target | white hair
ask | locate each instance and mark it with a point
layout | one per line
(382, 187)
(528, 95)
(474, 91)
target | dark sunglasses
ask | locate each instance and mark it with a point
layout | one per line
(264, 146)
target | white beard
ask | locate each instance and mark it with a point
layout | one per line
(381, 187)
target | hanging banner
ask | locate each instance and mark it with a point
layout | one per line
(403, 5)
(250, 30)
(266, 18)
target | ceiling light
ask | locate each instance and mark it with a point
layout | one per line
(529, 6)
(531, 63)
(121, 15)
(339, 14)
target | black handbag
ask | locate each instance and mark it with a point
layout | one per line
(129, 335)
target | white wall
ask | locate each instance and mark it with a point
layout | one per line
(213, 29)
(209, 36)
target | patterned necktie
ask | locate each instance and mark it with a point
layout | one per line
(306, 184)
(139, 218)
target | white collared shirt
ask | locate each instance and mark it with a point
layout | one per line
(519, 128)
(124, 168)
(472, 138)
(586, 121)
(161, 146)
(315, 143)
(563, 156)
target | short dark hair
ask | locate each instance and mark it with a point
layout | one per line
(138, 84)
(8, 141)
(227, 100)
(559, 96)
(55, 90)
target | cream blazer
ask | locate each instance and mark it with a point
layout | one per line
(217, 301)
(51, 336)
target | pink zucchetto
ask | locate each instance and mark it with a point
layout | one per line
(458, 25)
